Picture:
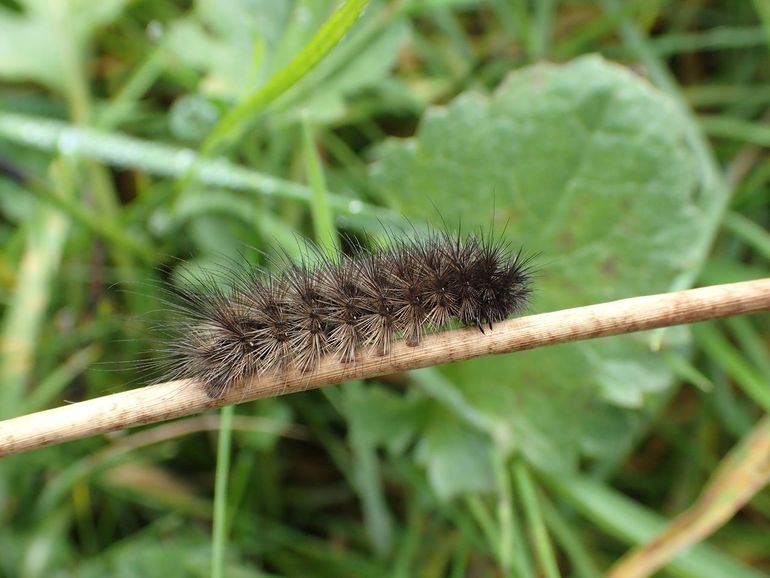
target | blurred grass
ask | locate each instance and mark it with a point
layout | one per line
(103, 110)
(240, 117)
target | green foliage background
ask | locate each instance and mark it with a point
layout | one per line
(620, 142)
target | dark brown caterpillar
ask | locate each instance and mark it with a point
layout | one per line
(344, 306)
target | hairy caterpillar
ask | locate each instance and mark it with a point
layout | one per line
(344, 305)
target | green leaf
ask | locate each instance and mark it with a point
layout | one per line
(147, 554)
(275, 419)
(584, 165)
(382, 418)
(30, 51)
(456, 457)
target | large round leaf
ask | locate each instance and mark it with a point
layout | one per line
(585, 166)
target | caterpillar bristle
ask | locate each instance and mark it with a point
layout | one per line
(269, 302)
(344, 306)
(213, 343)
(376, 324)
(407, 278)
(439, 293)
(463, 258)
(305, 319)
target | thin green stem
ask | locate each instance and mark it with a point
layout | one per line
(97, 224)
(573, 546)
(686, 371)
(165, 160)
(514, 557)
(717, 39)
(367, 475)
(506, 544)
(736, 129)
(323, 217)
(240, 118)
(541, 541)
(750, 232)
(717, 347)
(139, 83)
(46, 233)
(485, 521)
(544, 10)
(219, 534)
(763, 9)
(571, 44)
(81, 110)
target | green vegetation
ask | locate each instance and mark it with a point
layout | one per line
(621, 142)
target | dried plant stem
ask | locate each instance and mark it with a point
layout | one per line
(178, 398)
(744, 472)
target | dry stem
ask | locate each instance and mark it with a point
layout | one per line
(178, 398)
(744, 472)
